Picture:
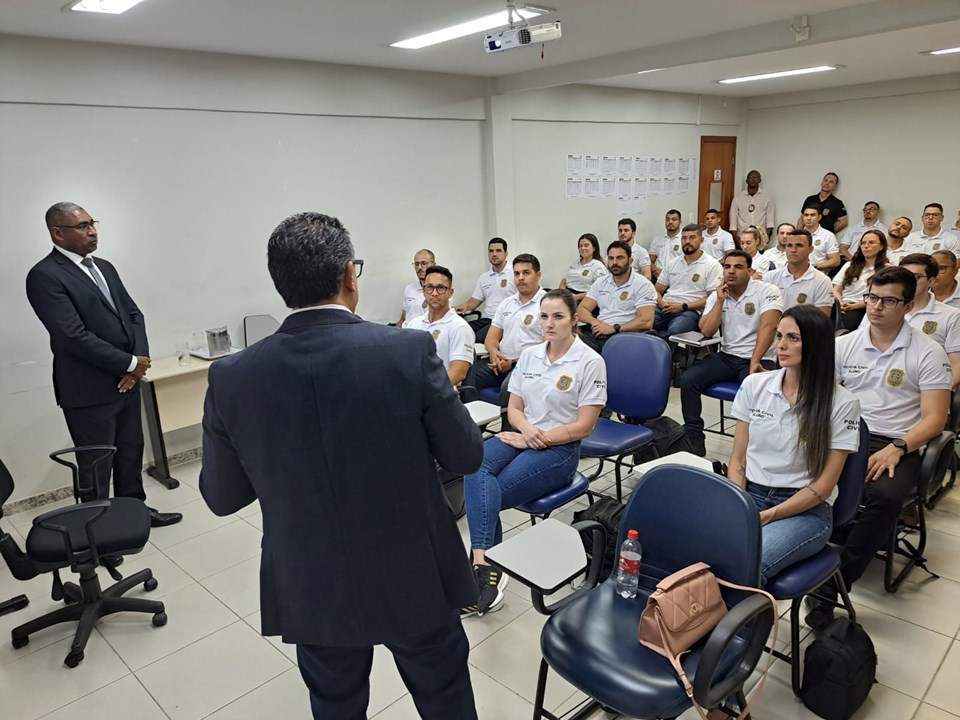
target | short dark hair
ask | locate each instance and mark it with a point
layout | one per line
(627, 221)
(929, 264)
(896, 276)
(622, 245)
(498, 240)
(798, 232)
(692, 227)
(948, 254)
(529, 259)
(439, 270)
(737, 253)
(592, 239)
(812, 206)
(789, 225)
(307, 255)
(56, 212)
(673, 211)
(872, 202)
(938, 206)
(712, 210)
(834, 174)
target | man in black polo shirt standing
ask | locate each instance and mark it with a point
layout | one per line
(831, 207)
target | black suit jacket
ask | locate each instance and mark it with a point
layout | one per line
(334, 423)
(91, 342)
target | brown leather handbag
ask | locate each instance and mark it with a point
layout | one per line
(684, 608)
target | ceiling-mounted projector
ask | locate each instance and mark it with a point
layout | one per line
(520, 36)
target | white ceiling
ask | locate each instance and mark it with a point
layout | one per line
(601, 38)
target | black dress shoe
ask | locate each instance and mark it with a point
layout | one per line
(159, 519)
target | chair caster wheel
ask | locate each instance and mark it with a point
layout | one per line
(20, 642)
(150, 584)
(73, 659)
(159, 619)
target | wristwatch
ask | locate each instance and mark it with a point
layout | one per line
(685, 307)
(900, 444)
(616, 328)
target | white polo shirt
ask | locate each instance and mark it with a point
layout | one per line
(895, 256)
(452, 335)
(666, 248)
(619, 303)
(888, 384)
(580, 277)
(939, 322)
(414, 303)
(811, 288)
(689, 282)
(520, 323)
(943, 240)
(493, 287)
(741, 318)
(639, 257)
(855, 291)
(824, 243)
(554, 392)
(954, 300)
(774, 255)
(773, 458)
(852, 238)
(717, 244)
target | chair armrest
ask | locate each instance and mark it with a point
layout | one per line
(754, 608)
(593, 571)
(107, 455)
(95, 510)
(695, 339)
(20, 564)
(935, 458)
(472, 315)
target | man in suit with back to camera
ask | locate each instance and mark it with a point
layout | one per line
(100, 354)
(356, 552)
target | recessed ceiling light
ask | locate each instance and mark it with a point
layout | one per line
(784, 73)
(945, 51)
(111, 7)
(644, 72)
(471, 27)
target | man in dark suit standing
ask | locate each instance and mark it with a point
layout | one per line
(99, 344)
(336, 426)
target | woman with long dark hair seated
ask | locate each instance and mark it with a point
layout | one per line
(854, 277)
(582, 274)
(556, 393)
(795, 427)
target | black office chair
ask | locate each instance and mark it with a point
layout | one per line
(76, 537)
(940, 485)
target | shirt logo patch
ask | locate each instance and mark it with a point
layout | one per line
(503, 282)
(436, 333)
(749, 308)
(715, 241)
(895, 377)
(802, 298)
(696, 277)
(624, 295)
(564, 383)
(528, 319)
(751, 207)
(585, 273)
(936, 246)
(929, 327)
(424, 305)
(816, 243)
(826, 211)
(676, 248)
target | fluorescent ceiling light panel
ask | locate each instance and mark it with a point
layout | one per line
(644, 72)
(111, 7)
(945, 51)
(785, 73)
(471, 27)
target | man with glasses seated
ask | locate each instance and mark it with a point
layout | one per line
(933, 236)
(452, 334)
(902, 379)
(945, 286)
(414, 303)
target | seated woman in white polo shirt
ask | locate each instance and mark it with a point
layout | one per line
(853, 278)
(556, 393)
(583, 273)
(792, 474)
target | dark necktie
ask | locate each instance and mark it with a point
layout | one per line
(87, 262)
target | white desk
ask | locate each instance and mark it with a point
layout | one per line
(546, 556)
(680, 458)
(483, 412)
(480, 350)
(694, 339)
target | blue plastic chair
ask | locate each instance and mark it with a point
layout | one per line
(638, 387)
(542, 507)
(807, 576)
(724, 392)
(684, 516)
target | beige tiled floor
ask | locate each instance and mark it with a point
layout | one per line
(209, 661)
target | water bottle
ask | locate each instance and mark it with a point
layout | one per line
(628, 572)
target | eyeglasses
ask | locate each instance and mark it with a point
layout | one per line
(358, 267)
(887, 300)
(82, 227)
(945, 268)
(425, 263)
(435, 289)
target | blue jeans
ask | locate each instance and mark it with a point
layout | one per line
(791, 539)
(509, 477)
(666, 325)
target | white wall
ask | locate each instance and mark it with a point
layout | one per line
(896, 143)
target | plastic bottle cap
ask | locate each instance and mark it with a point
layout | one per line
(633, 534)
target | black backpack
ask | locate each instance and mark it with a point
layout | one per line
(606, 511)
(668, 438)
(839, 668)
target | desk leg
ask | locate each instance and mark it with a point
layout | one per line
(160, 470)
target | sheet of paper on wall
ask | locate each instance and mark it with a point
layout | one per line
(625, 165)
(574, 188)
(693, 169)
(608, 187)
(640, 167)
(669, 167)
(683, 166)
(668, 184)
(683, 184)
(608, 164)
(574, 164)
(591, 164)
(624, 187)
(653, 187)
(591, 187)
(640, 187)
(654, 167)
(630, 207)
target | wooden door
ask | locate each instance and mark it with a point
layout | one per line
(718, 158)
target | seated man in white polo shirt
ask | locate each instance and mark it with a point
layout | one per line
(902, 379)
(716, 240)
(775, 254)
(515, 326)
(625, 299)
(746, 311)
(493, 286)
(935, 319)
(826, 249)
(851, 240)
(414, 303)
(932, 236)
(640, 258)
(452, 335)
(684, 285)
(666, 247)
(945, 287)
(800, 283)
